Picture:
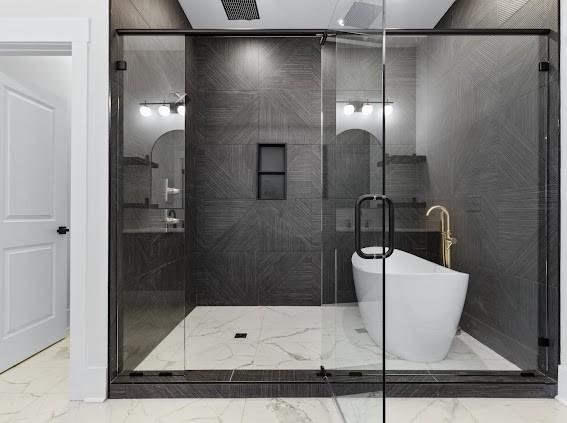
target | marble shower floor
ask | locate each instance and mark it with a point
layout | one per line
(298, 337)
(37, 391)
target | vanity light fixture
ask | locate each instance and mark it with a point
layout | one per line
(366, 108)
(164, 110)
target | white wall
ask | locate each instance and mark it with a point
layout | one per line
(92, 381)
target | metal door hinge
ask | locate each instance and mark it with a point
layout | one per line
(323, 373)
(543, 342)
(527, 374)
(121, 65)
(62, 230)
(136, 374)
(544, 66)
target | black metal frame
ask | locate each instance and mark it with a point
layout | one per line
(399, 384)
(329, 32)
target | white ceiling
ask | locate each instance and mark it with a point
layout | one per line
(310, 14)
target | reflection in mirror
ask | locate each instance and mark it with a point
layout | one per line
(168, 182)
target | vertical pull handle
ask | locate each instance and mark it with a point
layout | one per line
(357, 226)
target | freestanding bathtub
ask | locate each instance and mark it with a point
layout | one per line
(424, 303)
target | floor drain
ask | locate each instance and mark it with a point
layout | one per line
(361, 330)
(241, 335)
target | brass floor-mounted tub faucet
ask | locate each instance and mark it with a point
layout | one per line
(447, 240)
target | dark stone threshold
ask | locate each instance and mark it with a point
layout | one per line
(306, 383)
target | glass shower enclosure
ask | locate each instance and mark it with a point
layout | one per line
(273, 189)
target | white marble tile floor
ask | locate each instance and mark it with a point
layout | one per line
(295, 338)
(36, 391)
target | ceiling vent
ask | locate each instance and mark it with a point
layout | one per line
(241, 10)
(362, 14)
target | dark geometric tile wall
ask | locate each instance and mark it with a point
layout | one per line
(481, 125)
(245, 92)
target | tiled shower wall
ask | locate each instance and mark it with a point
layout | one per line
(245, 251)
(481, 126)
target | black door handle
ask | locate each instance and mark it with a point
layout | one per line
(62, 230)
(357, 218)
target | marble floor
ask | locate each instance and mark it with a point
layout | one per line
(36, 391)
(288, 338)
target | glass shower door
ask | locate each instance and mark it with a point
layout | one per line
(357, 224)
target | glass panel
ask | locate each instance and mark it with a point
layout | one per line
(254, 266)
(352, 298)
(467, 134)
(151, 214)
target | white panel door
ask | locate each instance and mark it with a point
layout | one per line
(34, 140)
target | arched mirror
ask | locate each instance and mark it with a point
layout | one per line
(168, 171)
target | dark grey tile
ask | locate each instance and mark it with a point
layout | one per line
(225, 171)
(290, 116)
(227, 117)
(288, 278)
(226, 279)
(228, 63)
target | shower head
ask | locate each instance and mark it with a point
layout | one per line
(361, 14)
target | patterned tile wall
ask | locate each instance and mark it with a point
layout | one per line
(481, 125)
(246, 251)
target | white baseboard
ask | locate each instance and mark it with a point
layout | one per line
(93, 385)
(562, 384)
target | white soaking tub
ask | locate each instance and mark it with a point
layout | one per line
(424, 303)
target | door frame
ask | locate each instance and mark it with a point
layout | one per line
(39, 33)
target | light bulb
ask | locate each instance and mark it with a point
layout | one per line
(389, 109)
(341, 22)
(181, 110)
(164, 110)
(145, 110)
(348, 109)
(367, 109)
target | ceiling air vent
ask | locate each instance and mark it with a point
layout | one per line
(241, 10)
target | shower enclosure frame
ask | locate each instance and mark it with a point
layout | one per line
(306, 383)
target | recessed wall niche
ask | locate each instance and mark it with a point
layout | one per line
(272, 172)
